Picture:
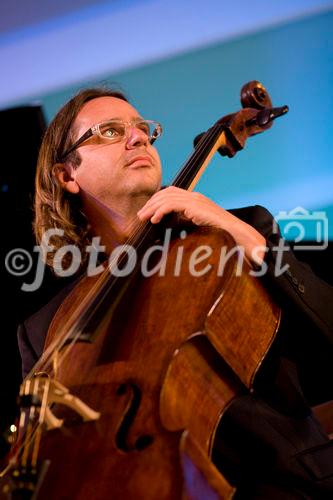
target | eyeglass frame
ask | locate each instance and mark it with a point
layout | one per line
(95, 130)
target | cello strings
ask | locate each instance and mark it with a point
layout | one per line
(138, 234)
(139, 230)
(99, 283)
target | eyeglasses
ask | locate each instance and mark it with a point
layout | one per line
(116, 130)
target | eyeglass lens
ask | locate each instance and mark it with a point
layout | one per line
(115, 129)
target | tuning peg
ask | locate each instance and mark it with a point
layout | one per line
(267, 115)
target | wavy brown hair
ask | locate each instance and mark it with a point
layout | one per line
(56, 208)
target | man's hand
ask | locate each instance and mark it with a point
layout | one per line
(204, 212)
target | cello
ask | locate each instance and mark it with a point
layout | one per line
(131, 401)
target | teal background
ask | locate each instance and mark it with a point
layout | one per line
(288, 166)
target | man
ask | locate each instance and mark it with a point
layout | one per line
(99, 175)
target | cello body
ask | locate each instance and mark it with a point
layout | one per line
(155, 371)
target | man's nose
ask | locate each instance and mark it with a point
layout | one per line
(136, 137)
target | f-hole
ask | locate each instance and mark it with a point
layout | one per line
(141, 442)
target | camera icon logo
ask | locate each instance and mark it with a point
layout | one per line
(300, 225)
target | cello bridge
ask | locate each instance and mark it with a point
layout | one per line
(41, 392)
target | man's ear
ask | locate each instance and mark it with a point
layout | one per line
(66, 177)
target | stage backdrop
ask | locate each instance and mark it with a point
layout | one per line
(288, 166)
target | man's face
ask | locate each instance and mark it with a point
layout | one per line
(109, 171)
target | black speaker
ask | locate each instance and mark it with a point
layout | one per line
(21, 132)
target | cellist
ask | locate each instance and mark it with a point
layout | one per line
(98, 174)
